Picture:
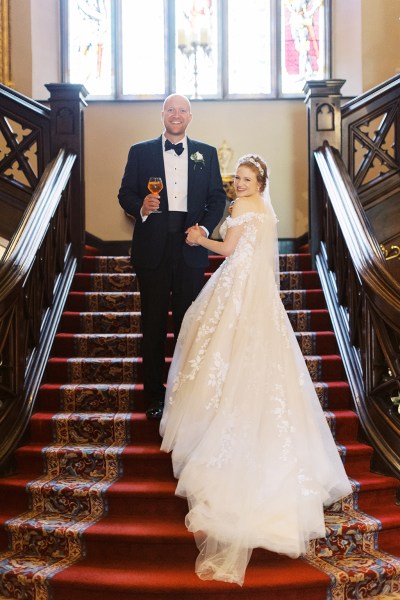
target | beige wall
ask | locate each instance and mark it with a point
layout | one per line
(268, 128)
(380, 40)
(275, 129)
(21, 46)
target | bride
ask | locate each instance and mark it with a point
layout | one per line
(250, 445)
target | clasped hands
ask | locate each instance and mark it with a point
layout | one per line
(152, 202)
(193, 234)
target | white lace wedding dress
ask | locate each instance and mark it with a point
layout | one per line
(250, 444)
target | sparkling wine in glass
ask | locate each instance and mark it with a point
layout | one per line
(155, 186)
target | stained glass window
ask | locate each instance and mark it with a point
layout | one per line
(124, 49)
(197, 47)
(90, 45)
(143, 48)
(249, 47)
(303, 45)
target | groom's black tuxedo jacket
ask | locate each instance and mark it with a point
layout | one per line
(206, 200)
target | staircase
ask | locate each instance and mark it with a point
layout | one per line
(91, 514)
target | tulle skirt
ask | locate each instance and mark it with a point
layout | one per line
(250, 444)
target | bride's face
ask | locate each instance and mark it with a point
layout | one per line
(246, 183)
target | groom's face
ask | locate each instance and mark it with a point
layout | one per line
(176, 117)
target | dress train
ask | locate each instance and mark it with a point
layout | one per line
(251, 448)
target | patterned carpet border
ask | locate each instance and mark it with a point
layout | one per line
(350, 556)
(67, 499)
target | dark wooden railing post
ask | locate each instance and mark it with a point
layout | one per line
(324, 124)
(67, 103)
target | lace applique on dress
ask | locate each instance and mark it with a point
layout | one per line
(250, 445)
(216, 378)
(235, 221)
(234, 273)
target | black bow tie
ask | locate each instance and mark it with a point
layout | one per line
(177, 147)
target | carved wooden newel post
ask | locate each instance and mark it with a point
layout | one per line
(324, 123)
(67, 103)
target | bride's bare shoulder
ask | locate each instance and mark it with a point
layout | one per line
(243, 207)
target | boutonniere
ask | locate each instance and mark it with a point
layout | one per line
(198, 159)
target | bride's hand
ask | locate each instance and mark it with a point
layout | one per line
(193, 235)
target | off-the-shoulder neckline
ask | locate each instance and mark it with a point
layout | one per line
(250, 212)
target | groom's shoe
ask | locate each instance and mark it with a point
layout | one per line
(154, 413)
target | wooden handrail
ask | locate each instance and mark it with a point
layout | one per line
(45, 131)
(35, 276)
(22, 248)
(380, 91)
(24, 103)
(354, 185)
(364, 303)
(366, 255)
(43, 209)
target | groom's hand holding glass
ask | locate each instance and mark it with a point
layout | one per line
(151, 202)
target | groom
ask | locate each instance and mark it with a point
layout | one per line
(170, 272)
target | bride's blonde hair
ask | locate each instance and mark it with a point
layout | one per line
(258, 165)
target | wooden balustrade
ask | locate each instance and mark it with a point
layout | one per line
(35, 276)
(354, 186)
(25, 152)
(42, 203)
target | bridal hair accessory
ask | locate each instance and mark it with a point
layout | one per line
(257, 164)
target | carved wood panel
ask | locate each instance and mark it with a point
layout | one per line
(18, 152)
(372, 140)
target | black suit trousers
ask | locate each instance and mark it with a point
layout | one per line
(173, 285)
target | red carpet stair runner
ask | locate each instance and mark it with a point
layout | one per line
(91, 512)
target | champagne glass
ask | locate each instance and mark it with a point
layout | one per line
(155, 186)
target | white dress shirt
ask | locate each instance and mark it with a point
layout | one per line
(176, 175)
